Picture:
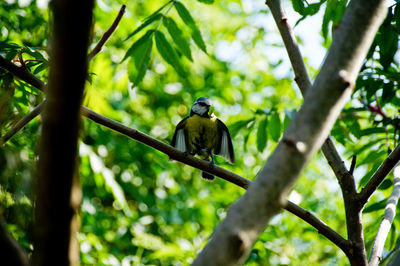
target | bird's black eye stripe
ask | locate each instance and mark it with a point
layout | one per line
(202, 104)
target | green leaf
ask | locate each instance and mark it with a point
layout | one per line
(177, 37)
(298, 6)
(198, 39)
(247, 135)
(375, 206)
(388, 92)
(168, 53)
(188, 19)
(262, 134)
(139, 61)
(364, 180)
(137, 44)
(387, 183)
(396, 15)
(387, 40)
(333, 13)
(235, 127)
(150, 20)
(289, 114)
(373, 156)
(274, 127)
(41, 67)
(184, 13)
(208, 2)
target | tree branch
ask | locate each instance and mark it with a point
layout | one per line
(353, 210)
(16, 255)
(231, 177)
(301, 76)
(318, 224)
(107, 34)
(345, 178)
(387, 220)
(24, 74)
(378, 177)
(21, 123)
(234, 237)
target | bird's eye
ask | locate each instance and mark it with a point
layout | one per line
(202, 104)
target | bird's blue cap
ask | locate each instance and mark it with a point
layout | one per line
(204, 100)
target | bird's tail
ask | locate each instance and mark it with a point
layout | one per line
(207, 176)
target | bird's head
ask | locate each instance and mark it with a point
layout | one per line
(202, 107)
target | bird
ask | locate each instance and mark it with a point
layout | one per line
(203, 134)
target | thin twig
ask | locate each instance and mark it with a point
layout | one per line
(107, 34)
(301, 76)
(387, 220)
(317, 223)
(353, 164)
(21, 123)
(23, 73)
(380, 175)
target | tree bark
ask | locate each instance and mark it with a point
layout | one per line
(57, 189)
(246, 219)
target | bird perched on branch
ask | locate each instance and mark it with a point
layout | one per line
(202, 133)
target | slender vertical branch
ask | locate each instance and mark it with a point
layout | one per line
(387, 220)
(302, 79)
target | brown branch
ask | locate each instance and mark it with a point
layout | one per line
(345, 178)
(301, 76)
(23, 73)
(233, 238)
(215, 170)
(21, 123)
(107, 34)
(378, 177)
(15, 254)
(318, 224)
(353, 210)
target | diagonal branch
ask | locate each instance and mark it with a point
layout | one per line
(231, 177)
(322, 228)
(301, 76)
(345, 177)
(387, 220)
(24, 74)
(380, 174)
(107, 34)
(21, 123)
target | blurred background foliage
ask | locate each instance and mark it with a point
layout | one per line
(140, 208)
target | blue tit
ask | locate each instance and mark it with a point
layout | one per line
(202, 133)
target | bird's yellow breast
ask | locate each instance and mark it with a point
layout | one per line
(202, 132)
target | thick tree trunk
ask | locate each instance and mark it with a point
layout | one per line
(57, 189)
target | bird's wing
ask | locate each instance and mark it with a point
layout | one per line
(179, 138)
(225, 146)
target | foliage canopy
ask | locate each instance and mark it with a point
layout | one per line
(138, 206)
